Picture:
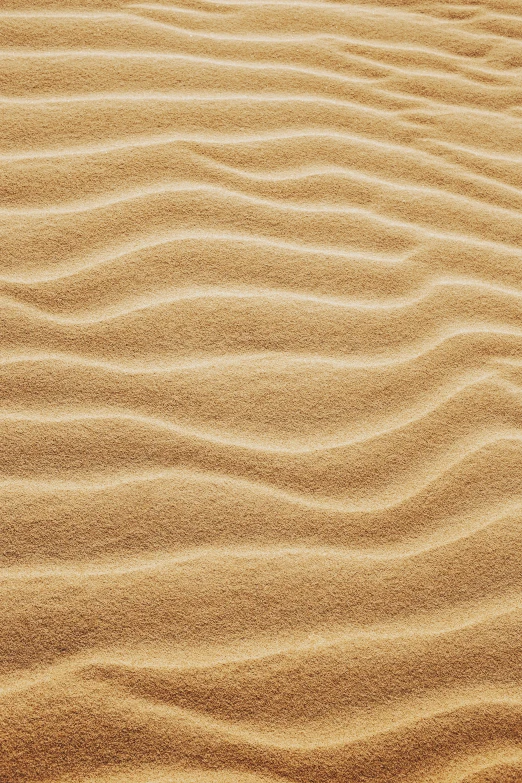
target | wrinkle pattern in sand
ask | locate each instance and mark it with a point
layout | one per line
(261, 391)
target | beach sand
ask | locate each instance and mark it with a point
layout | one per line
(261, 391)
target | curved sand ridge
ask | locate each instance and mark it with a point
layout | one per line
(260, 392)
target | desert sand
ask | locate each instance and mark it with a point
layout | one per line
(261, 391)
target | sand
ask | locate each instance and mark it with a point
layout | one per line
(261, 391)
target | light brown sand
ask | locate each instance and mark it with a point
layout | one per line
(261, 391)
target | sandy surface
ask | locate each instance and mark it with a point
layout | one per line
(261, 391)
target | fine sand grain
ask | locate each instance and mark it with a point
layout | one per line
(261, 391)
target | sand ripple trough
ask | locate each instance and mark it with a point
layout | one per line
(261, 391)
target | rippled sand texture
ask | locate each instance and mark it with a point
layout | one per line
(261, 392)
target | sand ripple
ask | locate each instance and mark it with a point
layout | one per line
(260, 391)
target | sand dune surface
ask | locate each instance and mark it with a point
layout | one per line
(261, 391)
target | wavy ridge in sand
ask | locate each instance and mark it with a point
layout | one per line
(260, 392)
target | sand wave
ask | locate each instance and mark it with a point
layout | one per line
(260, 391)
